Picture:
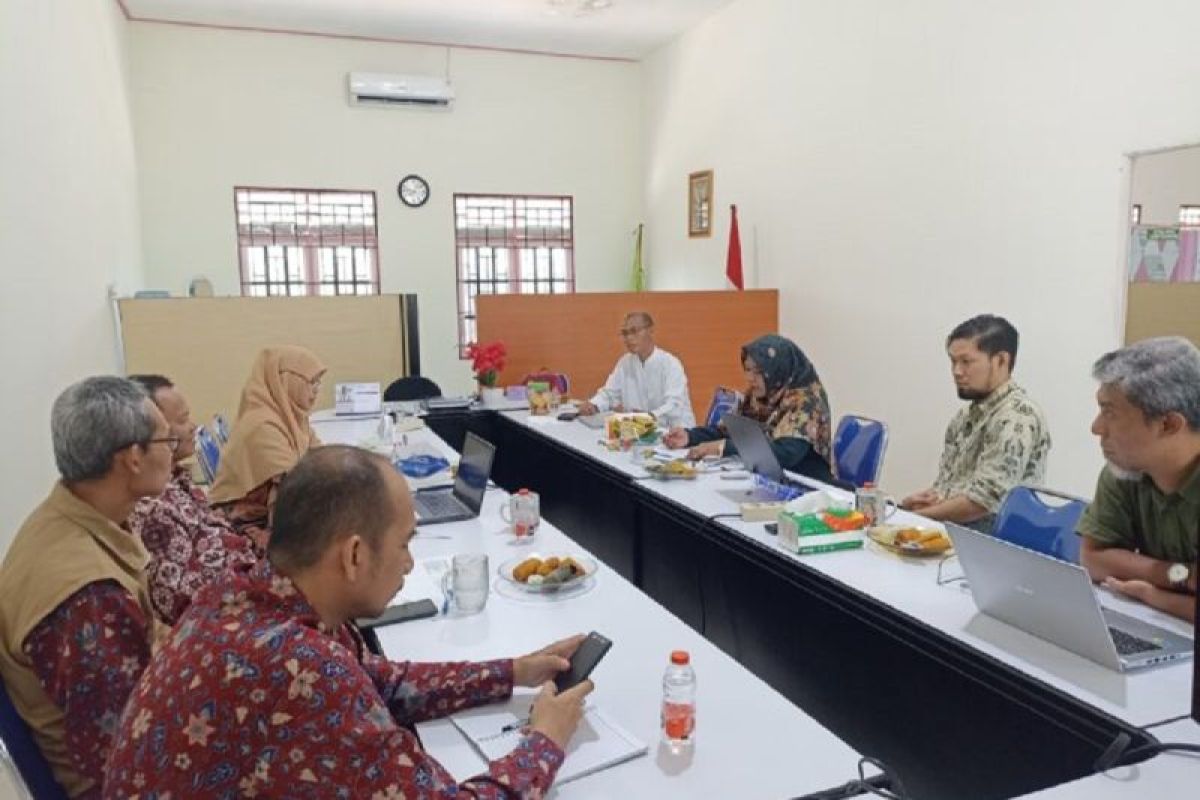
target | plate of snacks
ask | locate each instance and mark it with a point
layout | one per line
(911, 540)
(542, 574)
(679, 469)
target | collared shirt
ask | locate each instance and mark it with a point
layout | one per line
(254, 696)
(1136, 515)
(88, 655)
(993, 445)
(189, 544)
(658, 385)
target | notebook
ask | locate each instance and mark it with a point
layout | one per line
(598, 743)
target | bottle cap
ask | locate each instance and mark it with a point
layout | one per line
(680, 657)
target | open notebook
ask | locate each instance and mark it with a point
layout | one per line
(598, 743)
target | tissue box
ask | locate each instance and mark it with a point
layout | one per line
(761, 511)
(810, 533)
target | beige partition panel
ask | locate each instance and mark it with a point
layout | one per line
(1163, 309)
(207, 345)
(577, 333)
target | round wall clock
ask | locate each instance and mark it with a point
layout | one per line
(413, 190)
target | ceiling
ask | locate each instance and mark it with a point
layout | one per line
(627, 29)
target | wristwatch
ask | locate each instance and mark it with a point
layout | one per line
(1178, 574)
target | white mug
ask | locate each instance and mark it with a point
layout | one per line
(523, 513)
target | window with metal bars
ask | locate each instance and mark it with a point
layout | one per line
(306, 242)
(510, 244)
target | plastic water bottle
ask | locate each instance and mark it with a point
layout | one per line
(679, 703)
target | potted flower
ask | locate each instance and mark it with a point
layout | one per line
(486, 362)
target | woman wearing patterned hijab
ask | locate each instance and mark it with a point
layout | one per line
(785, 395)
(270, 435)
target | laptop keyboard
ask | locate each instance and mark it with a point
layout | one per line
(1128, 644)
(439, 504)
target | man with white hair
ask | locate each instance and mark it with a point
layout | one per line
(1140, 533)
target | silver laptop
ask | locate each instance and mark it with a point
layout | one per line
(464, 499)
(754, 450)
(1055, 600)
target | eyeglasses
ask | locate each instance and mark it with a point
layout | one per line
(172, 442)
(315, 383)
(627, 332)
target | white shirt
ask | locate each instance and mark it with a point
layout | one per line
(657, 385)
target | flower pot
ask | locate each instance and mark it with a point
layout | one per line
(491, 396)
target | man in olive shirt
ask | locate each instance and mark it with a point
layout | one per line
(1140, 533)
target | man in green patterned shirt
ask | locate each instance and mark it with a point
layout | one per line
(1140, 533)
(997, 442)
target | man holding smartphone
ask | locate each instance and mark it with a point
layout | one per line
(265, 689)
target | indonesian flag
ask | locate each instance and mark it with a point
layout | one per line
(733, 261)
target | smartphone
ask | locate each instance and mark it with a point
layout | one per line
(590, 651)
(404, 612)
(567, 416)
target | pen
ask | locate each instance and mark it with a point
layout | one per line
(512, 726)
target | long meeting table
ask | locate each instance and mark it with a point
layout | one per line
(751, 741)
(870, 645)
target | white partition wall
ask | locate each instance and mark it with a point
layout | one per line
(899, 167)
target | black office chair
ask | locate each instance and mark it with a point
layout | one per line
(411, 387)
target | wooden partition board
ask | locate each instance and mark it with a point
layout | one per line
(1163, 309)
(578, 333)
(206, 346)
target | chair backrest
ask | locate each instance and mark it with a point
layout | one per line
(208, 453)
(411, 387)
(220, 428)
(724, 401)
(858, 449)
(25, 753)
(1041, 519)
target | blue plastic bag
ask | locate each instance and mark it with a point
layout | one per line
(421, 466)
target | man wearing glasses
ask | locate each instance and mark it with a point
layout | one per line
(76, 624)
(647, 378)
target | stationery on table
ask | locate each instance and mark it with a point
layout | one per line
(358, 399)
(598, 743)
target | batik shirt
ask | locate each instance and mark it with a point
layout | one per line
(993, 445)
(252, 696)
(189, 543)
(88, 654)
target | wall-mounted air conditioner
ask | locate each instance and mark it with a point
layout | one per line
(420, 91)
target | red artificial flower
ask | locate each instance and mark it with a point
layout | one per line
(487, 360)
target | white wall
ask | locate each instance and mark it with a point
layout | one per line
(907, 165)
(1162, 182)
(217, 109)
(68, 220)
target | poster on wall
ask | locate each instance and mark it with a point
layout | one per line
(1164, 255)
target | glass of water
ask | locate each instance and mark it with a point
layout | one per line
(465, 584)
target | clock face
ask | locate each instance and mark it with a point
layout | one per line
(414, 191)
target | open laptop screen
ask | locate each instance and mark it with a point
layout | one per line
(473, 471)
(753, 446)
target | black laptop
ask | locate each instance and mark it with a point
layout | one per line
(464, 499)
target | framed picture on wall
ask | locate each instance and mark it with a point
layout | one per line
(700, 203)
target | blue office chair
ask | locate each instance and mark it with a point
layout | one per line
(25, 753)
(220, 428)
(208, 453)
(1026, 518)
(724, 401)
(858, 449)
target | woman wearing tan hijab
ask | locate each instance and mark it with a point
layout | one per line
(270, 435)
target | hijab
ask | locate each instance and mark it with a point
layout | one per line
(272, 431)
(795, 403)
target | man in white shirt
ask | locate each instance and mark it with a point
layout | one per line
(647, 378)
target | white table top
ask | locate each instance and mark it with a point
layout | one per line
(1170, 775)
(750, 740)
(910, 586)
